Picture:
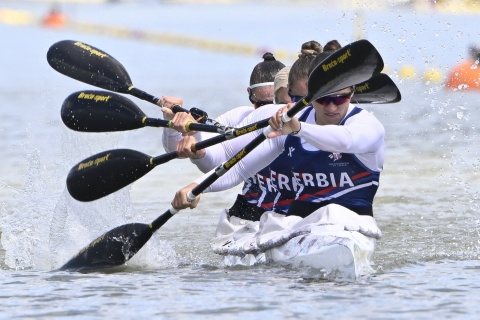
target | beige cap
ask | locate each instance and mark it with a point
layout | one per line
(281, 79)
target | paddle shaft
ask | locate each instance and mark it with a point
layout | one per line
(198, 114)
(191, 126)
(230, 134)
(142, 95)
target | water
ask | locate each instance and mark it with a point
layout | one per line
(427, 206)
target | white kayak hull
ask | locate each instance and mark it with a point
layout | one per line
(341, 256)
(346, 255)
(333, 240)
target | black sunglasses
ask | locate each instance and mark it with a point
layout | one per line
(261, 103)
(293, 97)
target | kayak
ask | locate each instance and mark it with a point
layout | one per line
(334, 242)
(343, 255)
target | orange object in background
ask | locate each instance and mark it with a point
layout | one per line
(466, 75)
(54, 19)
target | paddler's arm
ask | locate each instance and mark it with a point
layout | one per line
(360, 134)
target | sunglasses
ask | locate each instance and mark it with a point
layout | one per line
(336, 100)
(293, 97)
(261, 103)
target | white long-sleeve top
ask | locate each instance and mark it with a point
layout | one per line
(170, 137)
(361, 135)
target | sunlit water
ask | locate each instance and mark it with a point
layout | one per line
(427, 206)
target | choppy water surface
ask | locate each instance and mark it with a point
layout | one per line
(427, 207)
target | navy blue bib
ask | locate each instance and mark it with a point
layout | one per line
(318, 177)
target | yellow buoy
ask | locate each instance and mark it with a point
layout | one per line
(407, 72)
(433, 75)
(15, 17)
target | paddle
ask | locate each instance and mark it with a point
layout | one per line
(102, 111)
(378, 89)
(350, 65)
(93, 66)
(106, 172)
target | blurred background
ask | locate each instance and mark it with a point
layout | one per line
(204, 51)
(412, 24)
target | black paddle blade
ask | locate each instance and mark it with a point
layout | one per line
(106, 172)
(378, 89)
(100, 111)
(115, 247)
(352, 64)
(112, 249)
(88, 64)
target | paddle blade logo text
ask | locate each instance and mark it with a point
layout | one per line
(339, 60)
(92, 51)
(235, 159)
(362, 88)
(245, 130)
(96, 162)
(94, 97)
